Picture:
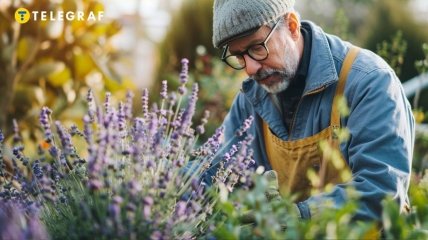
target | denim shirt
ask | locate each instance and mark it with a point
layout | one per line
(381, 125)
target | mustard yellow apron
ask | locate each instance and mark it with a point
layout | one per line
(292, 159)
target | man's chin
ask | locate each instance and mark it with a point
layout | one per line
(276, 88)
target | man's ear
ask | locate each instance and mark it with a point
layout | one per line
(293, 24)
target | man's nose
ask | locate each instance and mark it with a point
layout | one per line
(251, 66)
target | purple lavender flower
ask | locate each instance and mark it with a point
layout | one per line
(95, 184)
(184, 76)
(145, 103)
(180, 208)
(215, 141)
(172, 98)
(114, 207)
(147, 209)
(121, 121)
(177, 122)
(182, 90)
(74, 131)
(226, 157)
(107, 103)
(87, 132)
(110, 118)
(184, 71)
(2, 165)
(150, 164)
(157, 235)
(134, 188)
(174, 144)
(245, 126)
(128, 104)
(239, 159)
(16, 135)
(201, 128)
(37, 170)
(164, 91)
(137, 131)
(65, 139)
(190, 110)
(179, 162)
(17, 152)
(15, 223)
(44, 122)
(92, 108)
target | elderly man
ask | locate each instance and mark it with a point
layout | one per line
(296, 76)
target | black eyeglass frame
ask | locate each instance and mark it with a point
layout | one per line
(247, 51)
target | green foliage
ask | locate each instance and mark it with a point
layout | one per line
(412, 225)
(420, 155)
(341, 24)
(219, 84)
(218, 87)
(268, 218)
(279, 220)
(52, 62)
(191, 26)
(393, 52)
(385, 18)
(271, 217)
(422, 68)
(422, 65)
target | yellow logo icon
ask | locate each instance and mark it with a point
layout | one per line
(22, 15)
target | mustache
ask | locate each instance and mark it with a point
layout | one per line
(262, 74)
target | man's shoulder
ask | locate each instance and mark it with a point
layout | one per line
(368, 61)
(366, 64)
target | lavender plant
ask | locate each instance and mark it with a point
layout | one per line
(136, 176)
(16, 223)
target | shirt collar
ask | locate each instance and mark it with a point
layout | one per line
(302, 70)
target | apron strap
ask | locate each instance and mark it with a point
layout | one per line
(346, 67)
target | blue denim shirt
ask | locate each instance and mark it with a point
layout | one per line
(381, 125)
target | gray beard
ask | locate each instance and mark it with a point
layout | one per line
(277, 88)
(286, 74)
(280, 86)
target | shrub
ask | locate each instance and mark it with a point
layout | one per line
(123, 176)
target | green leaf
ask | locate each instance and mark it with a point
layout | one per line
(42, 69)
(223, 232)
(59, 77)
(83, 65)
(24, 48)
(228, 208)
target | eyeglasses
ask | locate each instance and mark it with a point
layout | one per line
(258, 52)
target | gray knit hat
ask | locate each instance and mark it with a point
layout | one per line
(238, 18)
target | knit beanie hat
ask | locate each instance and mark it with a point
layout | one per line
(234, 19)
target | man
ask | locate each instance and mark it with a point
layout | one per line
(292, 91)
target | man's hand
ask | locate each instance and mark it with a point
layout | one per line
(272, 191)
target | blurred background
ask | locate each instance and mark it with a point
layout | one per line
(139, 43)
